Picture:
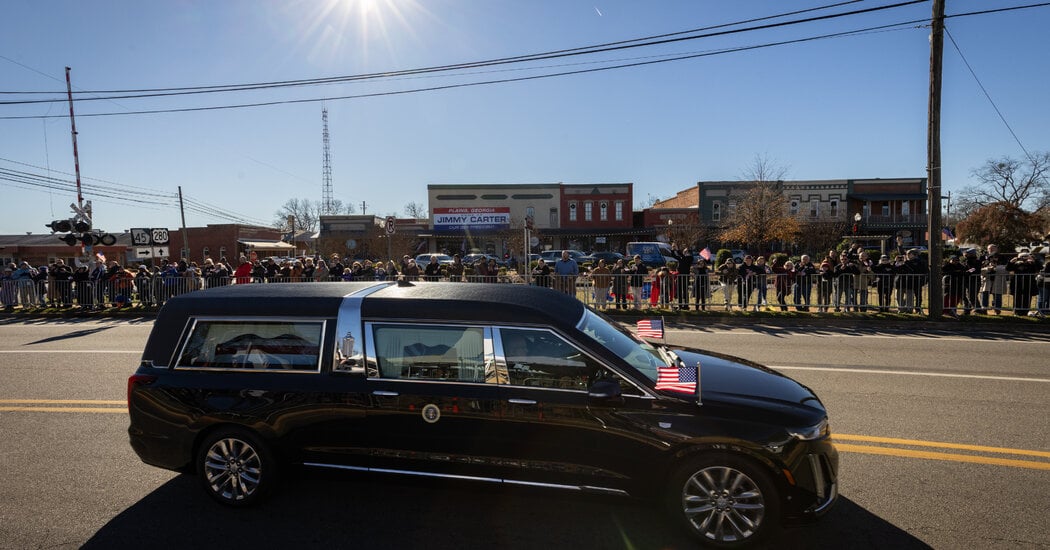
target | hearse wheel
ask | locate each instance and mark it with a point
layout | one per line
(235, 467)
(725, 501)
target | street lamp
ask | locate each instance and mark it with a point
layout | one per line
(856, 223)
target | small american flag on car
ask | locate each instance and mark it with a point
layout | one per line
(651, 328)
(676, 379)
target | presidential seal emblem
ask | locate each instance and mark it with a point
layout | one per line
(431, 413)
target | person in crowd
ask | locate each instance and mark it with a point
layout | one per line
(296, 274)
(825, 285)
(865, 279)
(662, 289)
(40, 280)
(638, 274)
(481, 271)
(993, 281)
(805, 274)
(972, 282)
(98, 290)
(243, 273)
(748, 281)
(701, 284)
(309, 270)
(215, 273)
(8, 288)
(685, 271)
(25, 287)
(1042, 283)
(456, 269)
(783, 275)
(601, 280)
(1023, 268)
(761, 282)
(336, 268)
(884, 273)
(258, 272)
(954, 281)
(541, 274)
(367, 272)
(914, 273)
(321, 271)
(63, 279)
(493, 270)
(411, 271)
(272, 269)
(144, 285)
(846, 272)
(82, 285)
(432, 272)
(728, 276)
(565, 271)
(620, 283)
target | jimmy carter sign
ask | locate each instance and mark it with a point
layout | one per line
(449, 220)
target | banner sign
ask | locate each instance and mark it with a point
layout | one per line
(453, 220)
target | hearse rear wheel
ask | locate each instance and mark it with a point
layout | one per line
(236, 467)
(724, 501)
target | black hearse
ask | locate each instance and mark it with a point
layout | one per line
(489, 382)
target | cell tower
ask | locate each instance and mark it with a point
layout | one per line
(326, 183)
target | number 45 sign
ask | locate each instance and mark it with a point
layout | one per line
(149, 236)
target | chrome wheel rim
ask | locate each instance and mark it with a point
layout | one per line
(233, 469)
(723, 504)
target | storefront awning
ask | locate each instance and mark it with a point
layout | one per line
(265, 245)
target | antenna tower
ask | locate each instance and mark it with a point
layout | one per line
(326, 184)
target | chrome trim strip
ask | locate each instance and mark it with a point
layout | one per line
(386, 393)
(582, 488)
(522, 401)
(349, 323)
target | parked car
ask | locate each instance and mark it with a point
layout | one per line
(609, 257)
(653, 254)
(551, 256)
(500, 383)
(423, 259)
(471, 259)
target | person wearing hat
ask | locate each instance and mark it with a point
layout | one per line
(954, 277)
(1023, 269)
(883, 272)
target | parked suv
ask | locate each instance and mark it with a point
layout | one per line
(495, 383)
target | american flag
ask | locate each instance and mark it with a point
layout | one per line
(682, 380)
(651, 328)
(706, 254)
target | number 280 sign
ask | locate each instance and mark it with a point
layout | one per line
(142, 236)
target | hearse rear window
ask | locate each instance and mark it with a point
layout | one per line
(453, 354)
(291, 345)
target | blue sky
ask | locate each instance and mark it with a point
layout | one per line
(847, 107)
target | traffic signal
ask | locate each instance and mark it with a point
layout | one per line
(82, 226)
(69, 239)
(60, 226)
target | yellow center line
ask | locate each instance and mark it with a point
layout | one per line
(62, 402)
(908, 453)
(65, 409)
(920, 443)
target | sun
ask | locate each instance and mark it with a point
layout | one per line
(358, 26)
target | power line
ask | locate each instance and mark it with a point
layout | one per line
(987, 95)
(587, 50)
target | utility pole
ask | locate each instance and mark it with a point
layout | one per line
(363, 205)
(933, 168)
(73, 125)
(185, 236)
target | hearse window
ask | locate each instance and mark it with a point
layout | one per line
(290, 345)
(541, 359)
(455, 354)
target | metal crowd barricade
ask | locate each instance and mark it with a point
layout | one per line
(971, 293)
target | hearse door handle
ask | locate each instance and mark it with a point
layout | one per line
(522, 401)
(385, 393)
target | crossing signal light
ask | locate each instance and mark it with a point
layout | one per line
(69, 239)
(60, 226)
(81, 226)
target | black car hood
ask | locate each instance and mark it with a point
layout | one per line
(734, 380)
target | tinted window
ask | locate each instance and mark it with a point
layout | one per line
(283, 345)
(539, 358)
(431, 353)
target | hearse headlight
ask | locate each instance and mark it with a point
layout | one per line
(816, 431)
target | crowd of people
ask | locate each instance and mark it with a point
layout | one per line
(974, 281)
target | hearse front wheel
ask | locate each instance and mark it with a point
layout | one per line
(235, 467)
(725, 501)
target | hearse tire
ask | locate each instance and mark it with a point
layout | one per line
(235, 467)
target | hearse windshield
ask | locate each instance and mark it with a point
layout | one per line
(639, 354)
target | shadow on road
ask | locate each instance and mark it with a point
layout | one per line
(325, 510)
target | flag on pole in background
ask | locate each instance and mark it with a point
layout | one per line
(706, 254)
(101, 257)
(676, 379)
(946, 235)
(651, 328)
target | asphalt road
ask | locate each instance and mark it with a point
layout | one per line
(944, 440)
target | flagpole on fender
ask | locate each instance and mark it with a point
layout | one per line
(699, 401)
(663, 330)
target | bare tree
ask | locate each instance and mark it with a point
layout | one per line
(305, 212)
(1000, 223)
(338, 207)
(416, 210)
(1023, 184)
(761, 216)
